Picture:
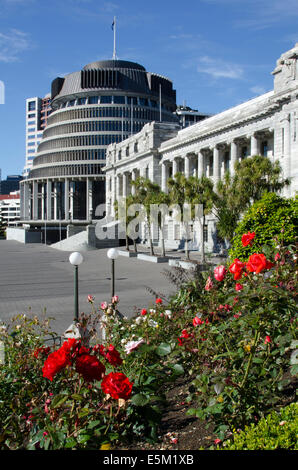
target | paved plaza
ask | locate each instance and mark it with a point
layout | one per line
(37, 278)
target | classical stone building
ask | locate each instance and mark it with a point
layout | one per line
(266, 125)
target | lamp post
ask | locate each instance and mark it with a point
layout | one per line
(113, 254)
(76, 259)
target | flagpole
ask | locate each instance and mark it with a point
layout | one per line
(160, 102)
(114, 24)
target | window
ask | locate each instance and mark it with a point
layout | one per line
(81, 101)
(31, 129)
(143, 102)
(106, 99)
(264, 148)
(93, 100)
(119, 99)
(31, 115)
(31, 136)
(132, 100)
(30, 151)
(31, 106)
(71, 103)
(30, 144)
(31, 123)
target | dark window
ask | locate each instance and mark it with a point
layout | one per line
(31, 106)
(106, 99)
(119, 99)
(93, 100)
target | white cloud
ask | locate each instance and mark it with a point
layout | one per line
(12, 44)
(217, 68)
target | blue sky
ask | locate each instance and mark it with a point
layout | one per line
(218, 53)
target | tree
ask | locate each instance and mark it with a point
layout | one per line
(199, 191)
(145, 195)
(254, 176)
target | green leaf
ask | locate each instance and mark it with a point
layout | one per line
(163, 349)
(82, 438)
(83, 412)
(140, 399)
(59, 400)
(77, 397)
(178, 369)
(70, 443)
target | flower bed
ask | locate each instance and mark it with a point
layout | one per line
(230, 333)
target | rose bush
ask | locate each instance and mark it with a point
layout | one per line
(230, 331)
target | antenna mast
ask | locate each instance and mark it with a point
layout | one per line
(114, 29)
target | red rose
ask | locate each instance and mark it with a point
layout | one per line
(158, 301)
(113, 356)
(117, 385)
(89, 367)
(257, 263)
(144, 312)
(55, 362)
(238, 286)
(220, 272)
(197, 321)
(70, 346)
(267, 340)
(247, 238)
(236, 268)
(100, 349)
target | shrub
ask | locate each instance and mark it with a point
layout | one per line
(273, 217)
(276, 431)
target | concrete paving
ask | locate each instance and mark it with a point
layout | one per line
(38, 279)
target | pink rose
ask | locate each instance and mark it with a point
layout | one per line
(238, 286)
(132, 345)
(104, 305)
(220, 272)
(209, 284)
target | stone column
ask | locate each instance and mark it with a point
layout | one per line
(89, 207)
(187, 166)
(286, 151)
(43, 200)
(26, 201)
(175, 167)
(234, 150)
(216, 167)
(49, 199)
(35, 200)
(56, 216)
(66, 199)
(200, 164)
(124, 185)
(163, 177)
(133, 178)
(71, 199)
(254, 145)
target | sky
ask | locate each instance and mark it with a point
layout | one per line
(218, 53)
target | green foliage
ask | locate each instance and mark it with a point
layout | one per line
(253, 177)
(278, 430)
(274, 219)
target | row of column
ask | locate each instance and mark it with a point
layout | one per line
(204, 157)
(48, 196)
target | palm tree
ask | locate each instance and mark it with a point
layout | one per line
(145, 194)
(199, 191)
(177, 193)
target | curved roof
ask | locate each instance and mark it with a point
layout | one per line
(110, 64)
